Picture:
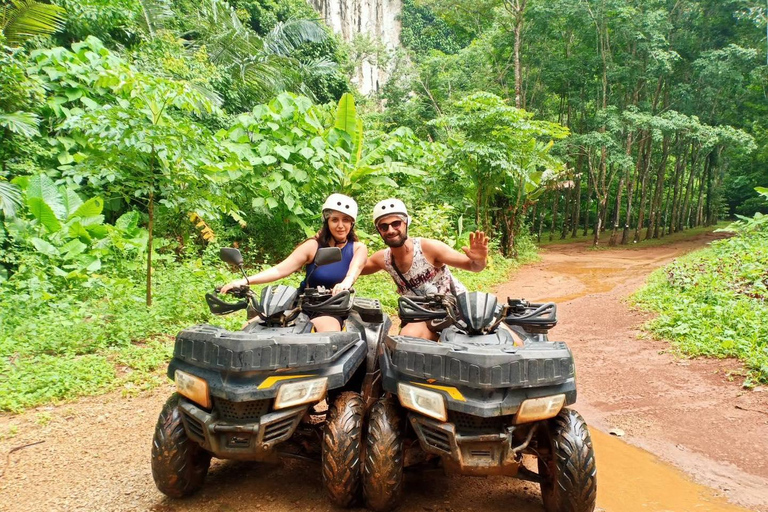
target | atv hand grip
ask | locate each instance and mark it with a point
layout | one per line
(411, 309)
(338, 304)
(539, 315)
(220, 307)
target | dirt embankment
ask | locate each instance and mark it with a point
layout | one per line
(93, 454)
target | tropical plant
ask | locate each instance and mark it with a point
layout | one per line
(143, 145)
(371, 161)
(23, 19)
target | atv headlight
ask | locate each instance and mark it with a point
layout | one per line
(302, 392)
(192, 387)
(535, 409)
(428, 403)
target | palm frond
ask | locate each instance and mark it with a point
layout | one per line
(27, 18)
(10, 198)
(287, 36)
(154, 15)
(321, 66)
(23, 123)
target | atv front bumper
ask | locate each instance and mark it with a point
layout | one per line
(470, 454)
(254, 440)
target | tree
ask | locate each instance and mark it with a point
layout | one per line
(145, 147)
(504, 153)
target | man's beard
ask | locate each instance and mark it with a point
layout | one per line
(397, 241)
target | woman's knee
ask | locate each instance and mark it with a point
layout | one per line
(326, 324)
(418, 330)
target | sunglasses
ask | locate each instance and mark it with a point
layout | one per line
(383, 227)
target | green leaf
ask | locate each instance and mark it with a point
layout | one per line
(73, 248)
(90, 208)
(42, 187)
(70, 199)
(283, 151)
(128, 222)
(44, 247)
(77, 230)
(346, 114)
(44, 214)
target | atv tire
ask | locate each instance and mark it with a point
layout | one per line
(569, 472)
(383, 466)
(342, 443)
(179, 465)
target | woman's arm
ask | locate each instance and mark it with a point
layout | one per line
(355, 268)
(300, 256)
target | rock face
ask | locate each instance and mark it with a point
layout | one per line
(376, 19)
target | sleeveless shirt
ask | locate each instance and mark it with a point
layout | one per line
(421, 272)
(332, 274)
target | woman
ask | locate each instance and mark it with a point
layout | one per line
(339, 216)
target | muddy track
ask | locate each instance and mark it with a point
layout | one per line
(705, 436)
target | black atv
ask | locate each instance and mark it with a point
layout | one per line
(478, 400)
(251, 394)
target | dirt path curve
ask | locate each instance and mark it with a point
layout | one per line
(93, 454)
(687, 412)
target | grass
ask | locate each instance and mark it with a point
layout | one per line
(606, 235)
(714, 303)
(77, 344)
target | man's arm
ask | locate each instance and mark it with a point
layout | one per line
(374, 264)
(474, 258)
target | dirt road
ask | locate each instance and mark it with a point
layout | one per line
(698, 426)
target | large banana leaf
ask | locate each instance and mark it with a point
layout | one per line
(346, 115)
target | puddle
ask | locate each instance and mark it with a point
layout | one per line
(630, 479)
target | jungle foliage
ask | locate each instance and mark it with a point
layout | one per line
(138, 136)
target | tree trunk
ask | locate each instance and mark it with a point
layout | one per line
(655, 214)
(588, 205)
(685, 221)
(616, 214)
(554, 214)
(643, 192)
(566, 211)
(576, 215)
(150, 227)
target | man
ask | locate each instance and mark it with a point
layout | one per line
(416, 262)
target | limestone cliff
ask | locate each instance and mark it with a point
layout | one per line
(377, 19)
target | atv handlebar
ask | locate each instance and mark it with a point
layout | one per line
(320, 301)
(530, 316)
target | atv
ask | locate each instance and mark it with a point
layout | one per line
(492, 389)
(252, 394)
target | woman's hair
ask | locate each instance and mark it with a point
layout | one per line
(324, 236)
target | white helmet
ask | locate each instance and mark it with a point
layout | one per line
(340, 203)
(390, 207)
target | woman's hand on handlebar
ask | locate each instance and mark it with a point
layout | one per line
(346, 284)
(234, 284)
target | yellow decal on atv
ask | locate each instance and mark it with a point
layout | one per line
(452, 392)
(271, 381)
